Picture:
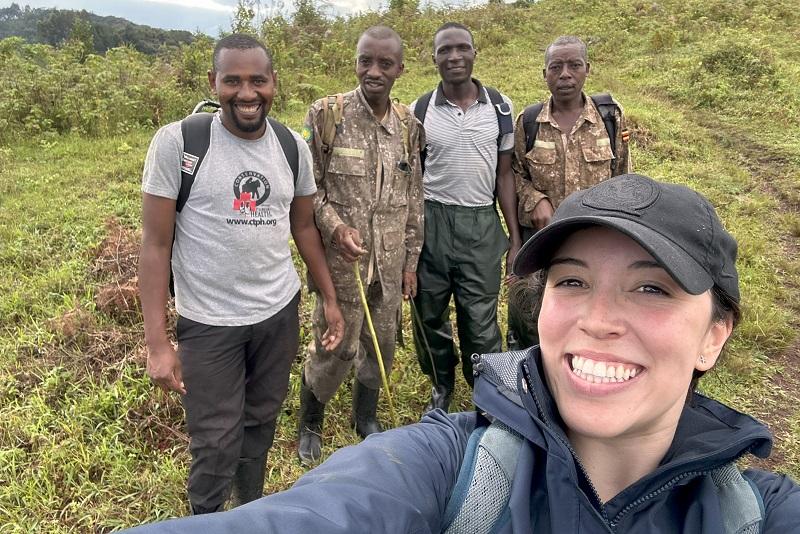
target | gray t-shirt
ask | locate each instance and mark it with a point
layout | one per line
(231, 257)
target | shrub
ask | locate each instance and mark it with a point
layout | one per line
(57, 90)
(742, 64)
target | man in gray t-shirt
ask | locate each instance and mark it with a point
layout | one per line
(236, 288)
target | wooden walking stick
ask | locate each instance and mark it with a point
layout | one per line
(375, 343)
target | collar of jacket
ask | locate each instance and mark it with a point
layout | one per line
(709, 434)
(589, 113)
(390, 123)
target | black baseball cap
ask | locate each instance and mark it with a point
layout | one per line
(675, 224)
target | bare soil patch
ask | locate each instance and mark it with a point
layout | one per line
(115, 263)
(780, 407)
(769, 170)
(93, 350)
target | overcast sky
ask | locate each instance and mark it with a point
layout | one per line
(208, 16)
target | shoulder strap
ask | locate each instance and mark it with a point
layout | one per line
(420, 109)
(331, 124)
(331, 120)
(196, 132)
(607, 108)
(289, 146)
(741, 503)
(489, 465)
(530, 125)
(421, 106)
(505, 122)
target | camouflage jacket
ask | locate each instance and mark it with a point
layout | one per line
(561, 163)
(372, 185)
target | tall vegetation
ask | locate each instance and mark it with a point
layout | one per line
(47, 90)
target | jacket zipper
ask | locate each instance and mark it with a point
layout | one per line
(597, 502)
(667, 485)
(612, 524)
(653, 494)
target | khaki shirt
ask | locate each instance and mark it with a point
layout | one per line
(561, 163)
(372, 185)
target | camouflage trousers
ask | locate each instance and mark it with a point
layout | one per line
(325, 371)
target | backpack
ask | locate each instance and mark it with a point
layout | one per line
(505, 122)
(490, 462)
(332, 113)
(606, 106)
(332, 121)
(196, 133)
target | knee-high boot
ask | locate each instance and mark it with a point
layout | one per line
(365, 406)
(248, 482)
(309, 430)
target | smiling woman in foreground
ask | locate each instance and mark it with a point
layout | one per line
(598, 430)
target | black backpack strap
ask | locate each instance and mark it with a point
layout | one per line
(607, 108)
(196, 132)
(289, 146)
(505, 122)
(530, 125)
(420, 109)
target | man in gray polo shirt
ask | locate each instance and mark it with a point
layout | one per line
(467, 162)
(236, 289)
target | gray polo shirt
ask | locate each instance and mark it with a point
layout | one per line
(231, 256)
(461, 161)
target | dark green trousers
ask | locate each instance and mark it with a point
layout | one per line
(461, 257)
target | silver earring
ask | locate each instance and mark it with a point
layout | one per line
(702, 359)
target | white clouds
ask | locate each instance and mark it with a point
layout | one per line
(208, 16)
(209, 5)
(353, 6)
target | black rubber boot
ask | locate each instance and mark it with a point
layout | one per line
(365, 406)
(197, 510)
(309, 430)
(440, 398)
(248, 482)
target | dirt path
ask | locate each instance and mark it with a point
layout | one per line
(778, 409)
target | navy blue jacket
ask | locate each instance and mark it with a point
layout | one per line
(399, 481)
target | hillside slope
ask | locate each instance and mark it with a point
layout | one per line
(54, 26)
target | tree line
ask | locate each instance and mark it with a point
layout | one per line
(98, 33)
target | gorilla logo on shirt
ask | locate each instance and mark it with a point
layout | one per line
(254, 184)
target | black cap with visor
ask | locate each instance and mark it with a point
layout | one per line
(674, 223)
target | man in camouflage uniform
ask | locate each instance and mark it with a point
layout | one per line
(369, 210)
(571, 151)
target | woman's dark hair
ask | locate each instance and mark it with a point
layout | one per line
(723, 306)
(524, 304)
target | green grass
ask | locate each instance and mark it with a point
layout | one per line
(87, 444)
